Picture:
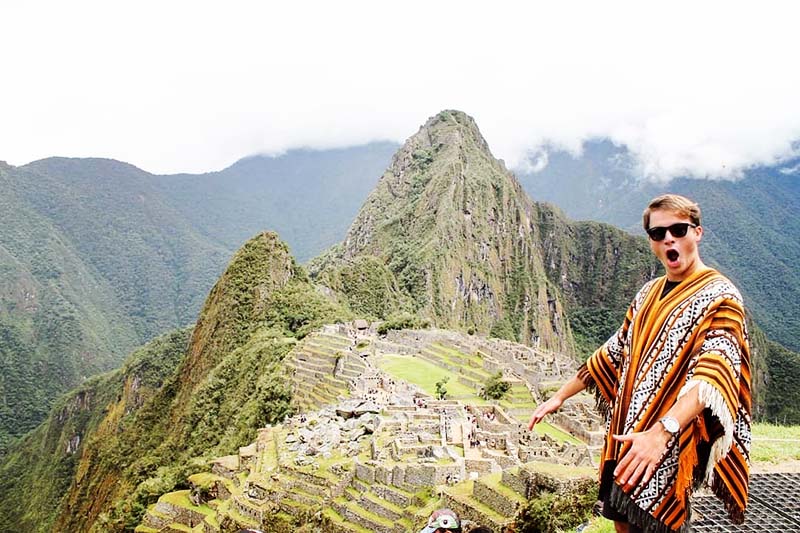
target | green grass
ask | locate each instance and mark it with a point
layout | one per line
(545, 428)
(775, 444)
(599, 524)
(181, 499)
(425, 375)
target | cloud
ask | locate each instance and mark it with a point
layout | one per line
(790, 170)
(535, 161)
(704, 89)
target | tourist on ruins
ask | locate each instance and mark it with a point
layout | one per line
(674, 385)
(442, 521)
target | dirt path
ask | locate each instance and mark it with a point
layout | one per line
(766, 468)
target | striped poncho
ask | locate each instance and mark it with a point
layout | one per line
(694, 337)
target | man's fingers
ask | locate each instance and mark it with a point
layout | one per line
(622, 466)
(634, 477)
(648, 473)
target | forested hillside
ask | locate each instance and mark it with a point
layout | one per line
(98, 256)
(93, 265)
(122, 439)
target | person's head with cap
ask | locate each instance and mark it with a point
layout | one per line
(442, 521)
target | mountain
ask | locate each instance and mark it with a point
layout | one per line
(752, 229)
(122, 438)
(98, 256)
(309, 197)
(448, 234)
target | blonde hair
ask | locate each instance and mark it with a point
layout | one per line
(672, 202)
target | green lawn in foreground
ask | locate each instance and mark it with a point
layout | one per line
(599, 524)
(775, 444)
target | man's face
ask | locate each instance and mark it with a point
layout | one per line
(679, 255)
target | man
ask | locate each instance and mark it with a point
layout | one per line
(442, 521)
(674, 385)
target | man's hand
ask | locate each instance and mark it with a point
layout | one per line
(545, 409)
(567, 390)
(644, 455)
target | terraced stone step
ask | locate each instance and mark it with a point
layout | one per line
(339, 525)
(323, 482)
(374, 504)
(335, 340)
(469, 508)
(352, 512)
(491, 491)
(314, 364)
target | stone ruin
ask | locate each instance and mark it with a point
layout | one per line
(370, 452)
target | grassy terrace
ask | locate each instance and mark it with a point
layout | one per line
(463, 491)
(334, 517)
(425, 374)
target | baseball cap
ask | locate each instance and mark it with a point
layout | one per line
(444, 519)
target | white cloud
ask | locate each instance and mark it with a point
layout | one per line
(700, 88)
(790, 170)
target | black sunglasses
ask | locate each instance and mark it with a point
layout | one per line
(676, 230)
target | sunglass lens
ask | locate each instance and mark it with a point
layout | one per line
(678, 230)
(657, 234)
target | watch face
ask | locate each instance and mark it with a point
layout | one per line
(670, 424)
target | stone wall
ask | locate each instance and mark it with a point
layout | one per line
(496, 501)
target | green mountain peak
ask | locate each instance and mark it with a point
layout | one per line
(237, 302)
(452, 238)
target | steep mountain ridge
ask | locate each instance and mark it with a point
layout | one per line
(453, 237)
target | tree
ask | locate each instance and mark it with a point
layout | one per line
(495, 388)
(441, 390)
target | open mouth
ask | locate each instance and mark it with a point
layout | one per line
(672, 255)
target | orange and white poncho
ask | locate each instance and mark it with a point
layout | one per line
(694, 337)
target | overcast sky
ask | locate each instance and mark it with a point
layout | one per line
(705, 88)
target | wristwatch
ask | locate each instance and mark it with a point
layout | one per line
(671, 425)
